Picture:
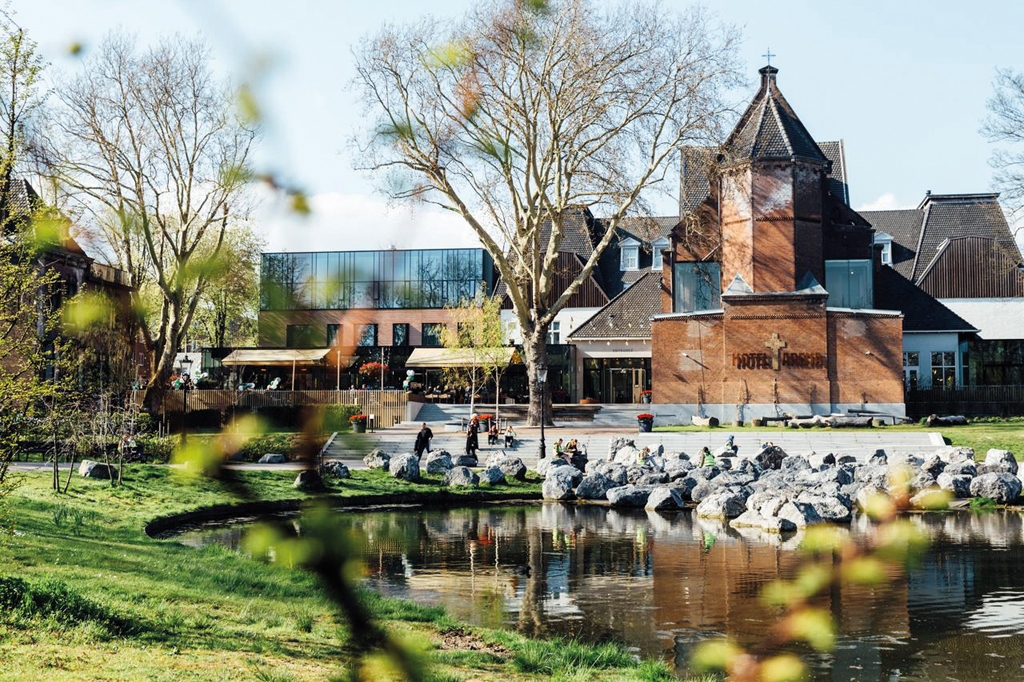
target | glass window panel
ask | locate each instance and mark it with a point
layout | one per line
(698, 286)
(400, 335)
(432, 334)
(368, 335)
(333, 334)
(849, 283)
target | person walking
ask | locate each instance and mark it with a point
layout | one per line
(423, 440)
(472, 438)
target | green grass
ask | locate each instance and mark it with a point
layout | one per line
(97, 597)
(980, 434)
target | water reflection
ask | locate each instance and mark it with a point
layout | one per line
(662, 583)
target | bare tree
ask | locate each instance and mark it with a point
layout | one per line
(227, 311)
(21, 70)
(1005, 125)
(150, 145)
(524, 111)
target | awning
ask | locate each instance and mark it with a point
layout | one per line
(278, 357)
(436, 358)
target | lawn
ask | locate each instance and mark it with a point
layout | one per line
(982, 434)
(86, 594)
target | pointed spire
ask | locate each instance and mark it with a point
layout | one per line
(770, 129)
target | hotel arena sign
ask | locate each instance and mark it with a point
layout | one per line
(777, 359)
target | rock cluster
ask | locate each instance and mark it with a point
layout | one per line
(776, 492)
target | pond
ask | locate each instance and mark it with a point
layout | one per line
(662, 583)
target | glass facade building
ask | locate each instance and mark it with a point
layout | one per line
(342, 280)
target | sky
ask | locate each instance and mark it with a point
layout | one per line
(903, 83)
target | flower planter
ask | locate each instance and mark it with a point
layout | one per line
(358, 427)
(645, 425)
(645, 398)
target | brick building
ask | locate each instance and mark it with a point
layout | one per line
(768, 293)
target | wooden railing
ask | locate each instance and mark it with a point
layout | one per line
(970, 401)
(388, 407)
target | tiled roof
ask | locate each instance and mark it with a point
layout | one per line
(919, 233)
(648, 230)
(770, 129)
(836, 153)
(921, 312)
(577, 233)
(950, 216)
(628, 315)
(694, 182)
(905, 227)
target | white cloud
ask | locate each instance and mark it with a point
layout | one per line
(353, 222)
(886, 202)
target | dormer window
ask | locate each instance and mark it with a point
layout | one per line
(885, 241)
(657, 247)
(629, 255)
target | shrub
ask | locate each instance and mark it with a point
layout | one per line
(336, 417)
(55, 601)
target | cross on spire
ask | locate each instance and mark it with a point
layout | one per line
(768, 55)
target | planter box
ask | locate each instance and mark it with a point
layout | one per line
(645, 425)
(358, 427)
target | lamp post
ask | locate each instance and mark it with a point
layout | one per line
(542, 377)
(186, 370)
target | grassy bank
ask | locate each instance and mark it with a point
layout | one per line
(1005, 434)
(84, 593)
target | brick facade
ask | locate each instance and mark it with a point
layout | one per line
(775, 346)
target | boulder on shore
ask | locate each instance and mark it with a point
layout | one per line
(405, 466)
(1004, 488)
(90, 469)
(377, 459)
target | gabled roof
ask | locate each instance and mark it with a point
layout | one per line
(921, 312)
(628, 315)
(919, 233)
(837, 185)
(770, 129)
(972, 267)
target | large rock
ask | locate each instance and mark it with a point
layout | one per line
(653, 478)
(722, 504)
(795, 463)
(405, 466)
(461, 477)
(595, 486)
(800, 513)
(1004, 488)
(685, 486)
(965, 466)
(465, 461)
(828, 507)
(309, 481)
(91, 469)
(664, 499)
(628, 496)
(335, 469)
(770, 457)
(492, 475)
(769, 524)
(934, 465)
(1003, 459)
(621, 442)
(438, 463)
(377, 459)
(558, 484)
(957, 484)
(512, 467)
(626, 455)
(272, 458)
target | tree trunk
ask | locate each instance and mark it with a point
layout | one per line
(536, 351)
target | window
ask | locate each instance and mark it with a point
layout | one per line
(911, 361)
(849, 283)
(333, 334)
(400, 334)
(943, 369)
(432, 334)
(698, 286)
(629, 257)
(553, 333)
(886, 253)
(299, 336)
(368, 335)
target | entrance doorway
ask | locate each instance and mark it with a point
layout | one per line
(625, 384)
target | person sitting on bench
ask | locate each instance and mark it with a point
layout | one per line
(510, 436)
(492, 434)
